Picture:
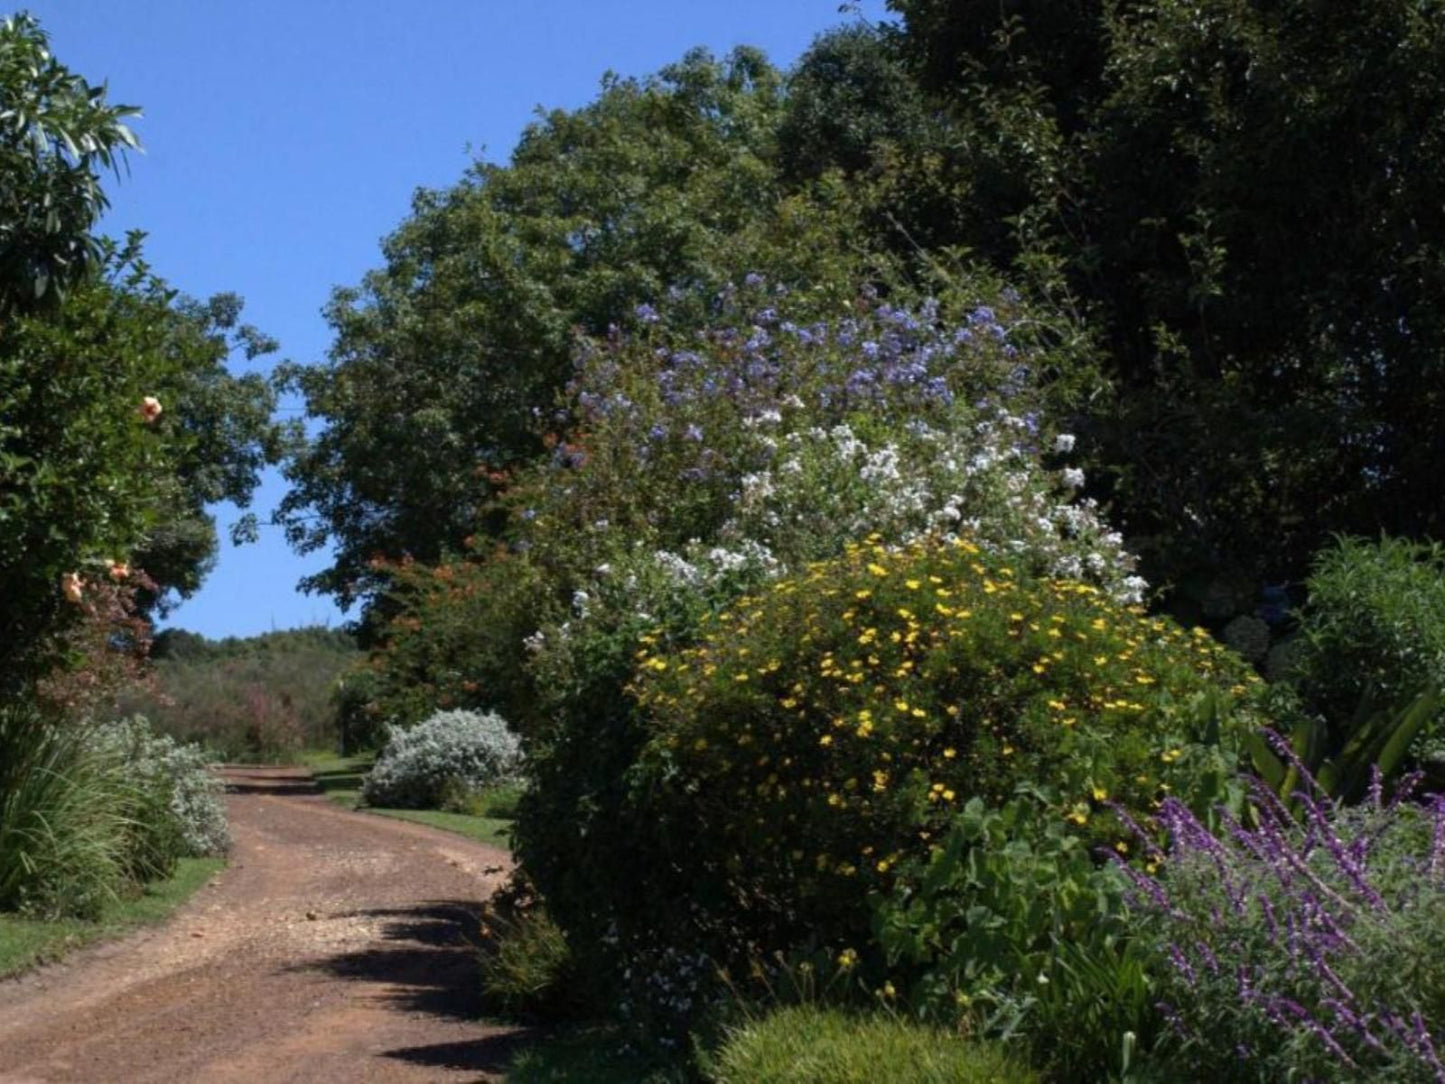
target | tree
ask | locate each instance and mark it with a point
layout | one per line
(1249, 198)
(447, 362)
(57, 134)
(119, 423)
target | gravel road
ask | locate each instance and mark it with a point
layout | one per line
(332, 949)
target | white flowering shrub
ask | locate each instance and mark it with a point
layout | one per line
(178, 780)
(707, 462)
(419, 766)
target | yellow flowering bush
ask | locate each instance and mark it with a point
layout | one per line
(830, 728)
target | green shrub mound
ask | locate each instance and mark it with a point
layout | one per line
(806, 1044)
(424, 766)
(1372, 634)
(90, 813)
(187, 812)
(827, 732)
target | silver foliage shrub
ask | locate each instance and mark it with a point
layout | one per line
(450, 749)
(155, 761)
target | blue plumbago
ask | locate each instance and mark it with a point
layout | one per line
(1304, 949)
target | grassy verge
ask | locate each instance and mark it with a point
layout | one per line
(26, 943)
(340, 780)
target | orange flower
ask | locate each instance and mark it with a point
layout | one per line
(118, 570)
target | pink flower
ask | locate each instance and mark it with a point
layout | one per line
(118, 570)
(150, 409)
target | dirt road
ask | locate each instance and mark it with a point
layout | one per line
(332, 949)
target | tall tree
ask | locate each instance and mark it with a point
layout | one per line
(119, 418)
(1250, 198)
(447, 361)
(57, 135)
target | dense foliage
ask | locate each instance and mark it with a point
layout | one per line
(57, 134)
(1179, 163)
(659, 182)
(820, 740)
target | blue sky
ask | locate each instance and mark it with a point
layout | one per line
(284, 139)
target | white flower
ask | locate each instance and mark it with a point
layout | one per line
(1073, 477)
(536, 642)
(1064, 443)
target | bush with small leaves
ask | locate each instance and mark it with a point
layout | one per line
(820, 740)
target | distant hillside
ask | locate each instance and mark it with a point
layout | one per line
(248, 698)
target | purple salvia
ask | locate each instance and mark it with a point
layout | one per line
(1303, 1015)
(1182, 965)
(1360, 1025)
(1376, 795)
(1437, 838)
(1352, 871)
(1425, 1045)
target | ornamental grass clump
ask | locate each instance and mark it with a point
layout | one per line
(1291, 950)
(829, 730)
(185, 814)
(420, 767)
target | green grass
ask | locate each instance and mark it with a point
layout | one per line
(807, 1044)
(26, 943)
(587, 1056)
(340, 780)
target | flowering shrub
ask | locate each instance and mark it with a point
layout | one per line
(826, 733)
(175, 781)
(1311, 951)
(451, 749)
(781, 436)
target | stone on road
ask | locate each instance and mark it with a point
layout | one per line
(334, 948)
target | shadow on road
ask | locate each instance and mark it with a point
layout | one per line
(488, 1054)
(429, 958)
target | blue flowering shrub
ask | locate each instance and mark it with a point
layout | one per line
(1300, 951)
(421, 766)
(710, 459)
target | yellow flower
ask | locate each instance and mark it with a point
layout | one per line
(1100, 794)
(847, 959)
(950, 753)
